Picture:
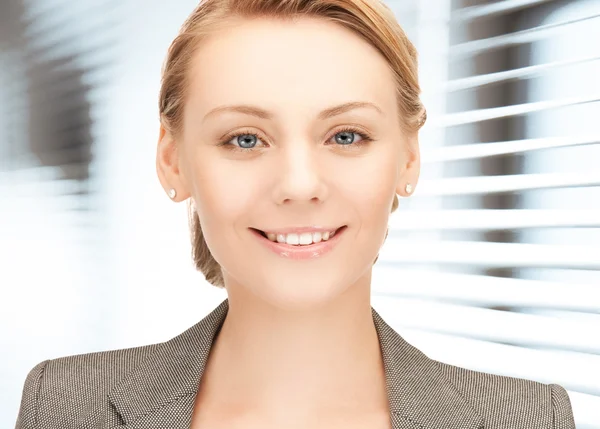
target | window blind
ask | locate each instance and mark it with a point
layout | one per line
(494, 263)
(56, 57)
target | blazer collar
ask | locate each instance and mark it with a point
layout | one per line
(161, 391)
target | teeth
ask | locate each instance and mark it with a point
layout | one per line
(304, 239)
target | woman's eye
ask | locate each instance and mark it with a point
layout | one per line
(243, 141)
(247, 141)
(345, 137)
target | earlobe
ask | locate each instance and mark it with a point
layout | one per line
(406, 188)
(407, 180)
(167, 166)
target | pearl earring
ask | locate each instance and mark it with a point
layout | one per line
(408, 188)
(172, 193)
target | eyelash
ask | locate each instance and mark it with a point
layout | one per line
(365, 139)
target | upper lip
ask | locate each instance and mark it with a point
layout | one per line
(300, 229)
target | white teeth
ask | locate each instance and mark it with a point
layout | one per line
(292, 239)
(304, 239)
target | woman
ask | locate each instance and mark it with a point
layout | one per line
(291, 126)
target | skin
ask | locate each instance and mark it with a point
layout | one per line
(298, 346)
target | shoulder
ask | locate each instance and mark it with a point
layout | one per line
(55, 388)
(509, 401)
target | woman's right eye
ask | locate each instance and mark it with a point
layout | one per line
(242, 142)
(246, 141)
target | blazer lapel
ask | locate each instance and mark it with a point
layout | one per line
(161, 392)
(420, 396)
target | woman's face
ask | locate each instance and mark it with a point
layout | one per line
(292, 160)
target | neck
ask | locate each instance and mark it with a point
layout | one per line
(319, 360)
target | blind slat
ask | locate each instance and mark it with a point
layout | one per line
(482, 219)
(483, 150)
(496, 8)
(508, 183)
(490, 254)
(472, 116)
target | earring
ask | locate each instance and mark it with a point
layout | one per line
(172, 193)
(408, 188)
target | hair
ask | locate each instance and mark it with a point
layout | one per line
(370, 19)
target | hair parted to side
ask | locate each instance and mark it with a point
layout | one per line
(370, 19)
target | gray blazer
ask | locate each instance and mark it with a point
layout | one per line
(154, 387)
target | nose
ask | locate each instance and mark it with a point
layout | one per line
(300, 175)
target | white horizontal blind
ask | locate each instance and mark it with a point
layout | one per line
(58, 58)
(56, 61)
(494, 263)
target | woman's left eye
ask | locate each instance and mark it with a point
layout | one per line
(347, 137)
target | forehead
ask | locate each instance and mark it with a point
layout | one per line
(303, 64)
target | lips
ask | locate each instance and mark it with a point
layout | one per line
(300, 236)
(300, 247)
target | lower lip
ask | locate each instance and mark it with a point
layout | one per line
(311, 251)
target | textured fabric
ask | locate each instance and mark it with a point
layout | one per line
(154, 387)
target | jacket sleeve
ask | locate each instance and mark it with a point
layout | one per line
(27, 417)
(562, 413)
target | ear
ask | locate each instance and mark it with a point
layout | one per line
(410, 169)
(168, 166)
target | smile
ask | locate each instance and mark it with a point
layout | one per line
(300, 243)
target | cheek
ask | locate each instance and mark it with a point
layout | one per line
(223, 192)
(372, 190)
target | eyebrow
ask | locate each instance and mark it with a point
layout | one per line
(263, 114)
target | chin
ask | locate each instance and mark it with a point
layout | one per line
(302, 291)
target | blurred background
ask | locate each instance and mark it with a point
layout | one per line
(493, 264)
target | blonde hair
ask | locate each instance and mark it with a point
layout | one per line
(370, 19)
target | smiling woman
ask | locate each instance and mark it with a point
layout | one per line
(314, 147)
(290, 127)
